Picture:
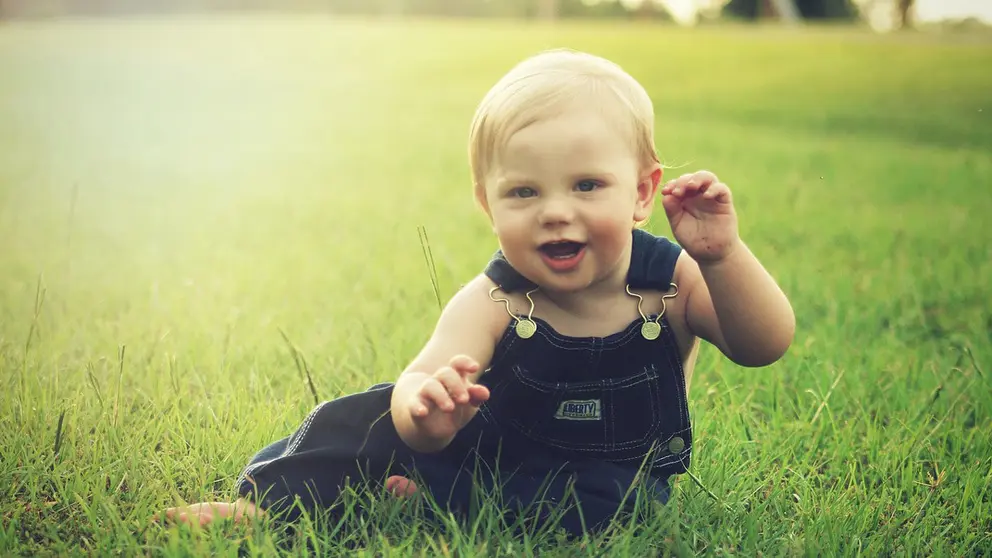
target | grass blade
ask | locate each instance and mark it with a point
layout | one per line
(431, 268)
(120, 382)
(301, 365)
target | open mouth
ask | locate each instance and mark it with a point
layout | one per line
(562, 250)
(562, 256)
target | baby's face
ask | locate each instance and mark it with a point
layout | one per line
(563, 196)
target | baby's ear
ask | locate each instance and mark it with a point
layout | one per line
(656, 175)
(647, 188)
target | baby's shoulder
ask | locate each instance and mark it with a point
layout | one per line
(482, 303)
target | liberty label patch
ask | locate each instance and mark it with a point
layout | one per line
(587, 409)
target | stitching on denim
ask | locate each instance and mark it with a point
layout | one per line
(620, 452)
(649, 376)
(548, 336)
(609, 425)
(249, 470)
(565, 342)
(605, 384)
(291, 447)
(678, 374)
(612, 434)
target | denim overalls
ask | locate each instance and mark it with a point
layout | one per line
(569, 423)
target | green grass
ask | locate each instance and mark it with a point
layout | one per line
(175, 192)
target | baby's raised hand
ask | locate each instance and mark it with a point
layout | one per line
(702, 216)
(447, 400)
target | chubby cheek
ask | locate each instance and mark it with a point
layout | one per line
(609, 235)
(513, 234)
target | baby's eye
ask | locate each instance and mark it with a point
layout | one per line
(587, 185)
(523, 192)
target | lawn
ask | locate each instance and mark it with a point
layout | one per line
(181, 200)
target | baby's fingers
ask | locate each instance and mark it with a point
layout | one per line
(718, 191)
(433, 393)
(699, 182)
(454, 383)
(478, 394)
(464, 365)
(691, 183)
(677, 186)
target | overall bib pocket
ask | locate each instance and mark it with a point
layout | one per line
(590, 416)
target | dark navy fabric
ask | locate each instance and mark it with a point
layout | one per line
(569, 421)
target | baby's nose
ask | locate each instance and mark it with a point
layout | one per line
(556, 212)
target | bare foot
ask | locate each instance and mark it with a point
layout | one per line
(242, 511)
(205, 513)
(401, 487)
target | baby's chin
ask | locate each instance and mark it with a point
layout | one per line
(566, 284)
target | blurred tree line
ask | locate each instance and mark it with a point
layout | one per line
(807, 9)
(545, 9)
(456, 8)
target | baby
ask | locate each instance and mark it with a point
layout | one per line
(563, 367)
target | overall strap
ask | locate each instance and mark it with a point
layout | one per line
(652, 261)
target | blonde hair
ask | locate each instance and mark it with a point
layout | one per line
(545, 84)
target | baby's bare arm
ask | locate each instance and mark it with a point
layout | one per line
(736, 304)
(469, 327)
(731, 300)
